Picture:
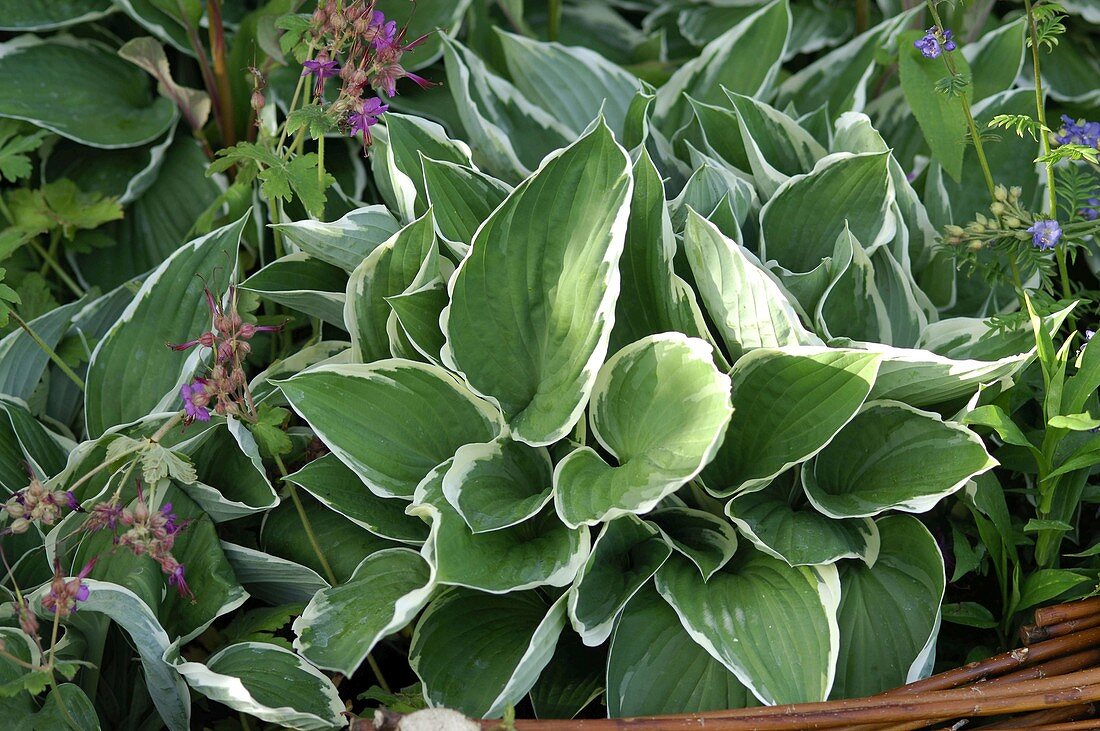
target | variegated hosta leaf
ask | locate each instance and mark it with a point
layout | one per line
(408, 417)
(22, 16)
(480, 653)
(232, 481)
(745, 303)
(344, 243)
(498, 484)
(540, 551)
(787, 405)
(801, 536)
(624, 558)
(397, 164)
(772, 625)
(776, 146)
(655, 667)
(341, 625)
(22, 361)
(131, 359)
(461, 198)
(851, 304)
(705, 539)
(889, 611)
(660, 407)
(893, 456)
(571, 681)
(272, 579)
(268, 682)
(303, 283)
(537, 289)
(416, 311)
(337, 487)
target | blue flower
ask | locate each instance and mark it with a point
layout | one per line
(1092, 211)
(1079, 132)
(934, 42)
(1046, 234)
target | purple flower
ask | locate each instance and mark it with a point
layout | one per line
(366, 117)
(71, 500)
(1092, 212)
(934, 43)
(194, 400)
(1045, 234)
(170, 525)
(321, 67)
(385, 35)
(1079, 132)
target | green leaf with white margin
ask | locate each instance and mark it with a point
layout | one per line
(409, 417)
(571, 681)
(624, 558)
(169, 308)
(573, 84)
(398, 169)
(461, 198)
(498, 484)
(661, 440)
(787, 405)
(706, 540)
(166, 687)
(17, 15)
(387, 271)
(480, 653)
(893, 457)
(231, 479)
(942, 117)
(772, 625)
(22, 360)
(842, 190)
(337, 487)
(270, 578)
(653, 299)
(509, 134)
(889, 611)
(801, 536)
(746, 304)
(325, 352)
(761, 37)
(302, 283)
(538, 289)
(417, 311)
(654, 666)
(341, 625)
(346, 242)
(540, 551)
(266, 681)
(66, 706)
(851, 303)
(107, 100)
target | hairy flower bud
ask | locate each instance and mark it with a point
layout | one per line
(257, 101)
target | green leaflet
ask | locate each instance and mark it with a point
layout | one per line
(409, 418)
(537, 289)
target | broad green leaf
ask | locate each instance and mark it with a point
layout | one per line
(573, 84)
(771, 625)
(426, 17)
(131, 358)
(624, 558)
(125, 173)
(716, 125)
(889, 611)
(417, 310)
(344, 243)
(801, 536)
(706, 540)
(968, 614)
(461, 198)
(266, 681)
(273, 579)
(843, 190)
(571, 681)
(325, 352)
(231, 479)
(893, 456)
(905, 304)
(337, 487)
(300, 282)
(1045, 585)
(498, 484)
(538, 288)
(655, 667)
(67, 706)
(397, 165)
(480, 653)
(744, 301)
(22, 360)
(107, 100)
(661, 440)
(17, 15)
(776, 146)
(941, 116)
(341, 625)
(787, 405)
(851, 303)
(409, 417)
(540, 551)
(997, 58)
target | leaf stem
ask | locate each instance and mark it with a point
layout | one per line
(216, 30)
(48, 350)
(553, 29)
(305, 522)
(52, 263)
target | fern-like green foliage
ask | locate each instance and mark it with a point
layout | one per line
(1021, 123)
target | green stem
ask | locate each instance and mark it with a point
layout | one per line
(321, 160)
(305, 522)
(293, 104)
(53, 264)
(48, 351)
(378, 673)
(554, 25)
(862, 16)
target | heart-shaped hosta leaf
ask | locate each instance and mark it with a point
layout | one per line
(22, 16)
(499, 483)
(776, 146)
(801, 536)
(342, 624)
(893, 456)
(573, 679)
(537, 289)
(660, 407)
(787, 404)
(480, 653)
(107, 101)
(408, 417)
(654, 667)
(131, 372)
(540, 551)
(340, 489)
(417, 310)
(268, 682)
(272, 579)
(745, 303)
(889, 611)
(625, 556)
(772, 625)
(305, 284)
(397, 162)
(344, 243)
(461, 198)
(705, 539)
